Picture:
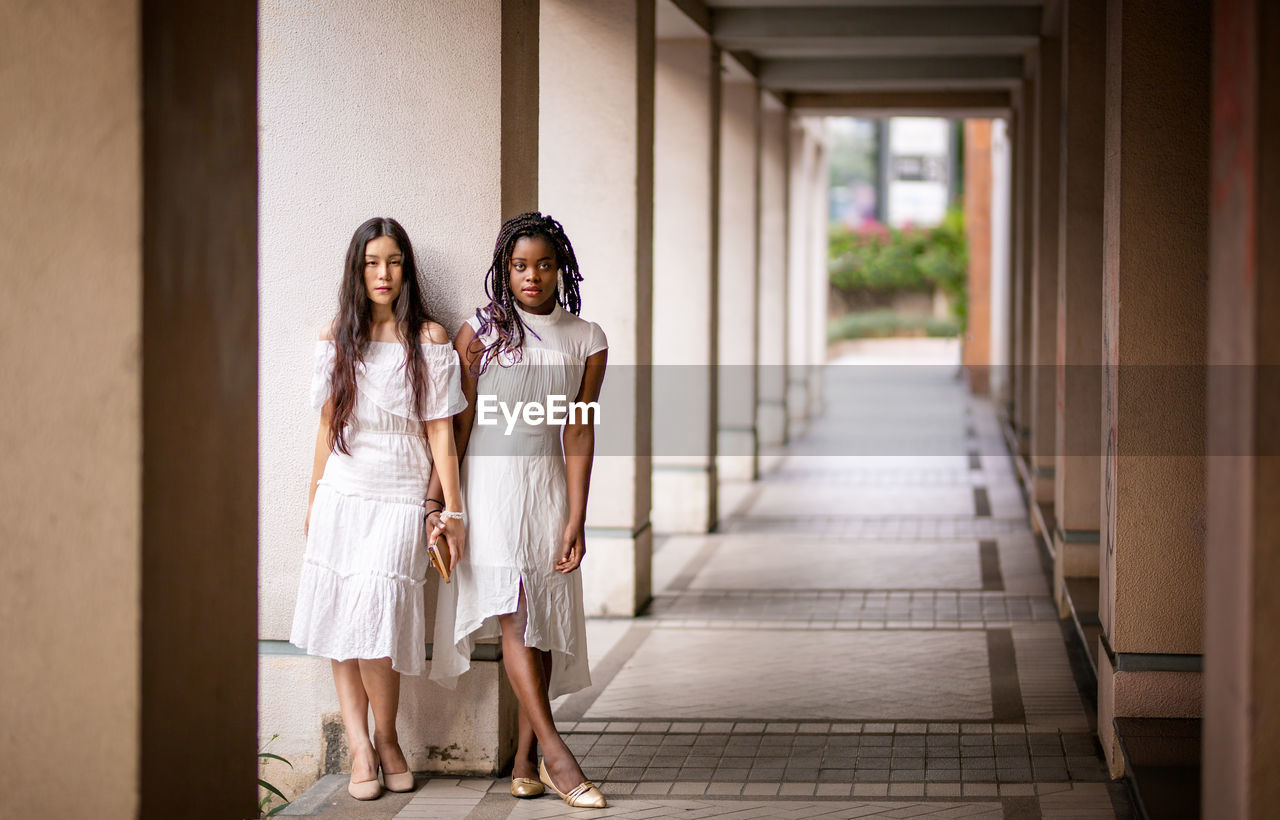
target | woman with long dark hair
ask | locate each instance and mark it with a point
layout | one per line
(525, 482)
(387, 384)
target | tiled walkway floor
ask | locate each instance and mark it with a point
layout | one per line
(871, 634)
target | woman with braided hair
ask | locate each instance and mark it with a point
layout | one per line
(525, 487)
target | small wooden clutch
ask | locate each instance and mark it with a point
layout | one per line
(439, 552)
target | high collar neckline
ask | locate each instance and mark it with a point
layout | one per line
(540, 319)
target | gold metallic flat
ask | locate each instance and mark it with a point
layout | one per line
(583, 796)
(524, 787)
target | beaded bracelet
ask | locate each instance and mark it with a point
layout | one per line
(449, 514)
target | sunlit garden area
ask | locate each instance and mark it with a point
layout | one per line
(897, 255)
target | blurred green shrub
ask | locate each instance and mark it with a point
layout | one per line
(878, 324)
(881, 259)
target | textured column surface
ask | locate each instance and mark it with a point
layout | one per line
(1078, 448)
(686, 199)
(596, 176)
(459, 155)
(199, 386)
(771, 398)
(128, 342)
(1001, 277)
(977, 226)
(1155, 254)
(1242, 668)
(1022, 260)
(800, 163)
(739, 279)
(1044, 266)
(819, 280)
(70, 206)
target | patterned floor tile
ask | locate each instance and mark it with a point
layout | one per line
(808, 675)
(756, 563)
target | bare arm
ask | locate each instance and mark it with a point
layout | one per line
(459, 435)
(579, 451)
(321, 456)
(444, 469)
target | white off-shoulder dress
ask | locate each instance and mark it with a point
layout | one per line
(360, 594)
(516, 495)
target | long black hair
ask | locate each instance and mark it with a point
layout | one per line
(501, 315)
(351, 328)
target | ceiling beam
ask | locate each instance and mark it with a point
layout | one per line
(718, 4)
(697, 11)
(898, 103)
(891, 73)
(800, 47)
(747, 27)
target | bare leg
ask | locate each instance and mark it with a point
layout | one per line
(526, 669)
(383, 685)
(354, 703)
(526, 764)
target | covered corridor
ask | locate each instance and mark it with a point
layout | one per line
(865, 628)
(868, 567)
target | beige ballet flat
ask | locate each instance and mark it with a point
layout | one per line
(583, 796)
(399, 782)
(365, 789)
(524, 787)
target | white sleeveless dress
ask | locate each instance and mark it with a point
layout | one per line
(360, 594)
(517, 504)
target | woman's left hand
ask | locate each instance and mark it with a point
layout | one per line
(575, 547)
(453, 532)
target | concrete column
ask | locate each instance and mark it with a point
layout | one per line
(1022, 259)
(739, 275)
(596, 176)
(977, 227)
(803, 150)
(1078, 464)
(816, 331)
(1001, 225)
(1242, 677)
(73, 188)
(1156, 217)
(771, 404)
(199, 459)
(1044, 269)
(455, 154)
(686, 199)
(128, 585)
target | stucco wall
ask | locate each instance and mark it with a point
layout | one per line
(739, 277)
(387, 110)
(684, 314)
(596, 176)
(70, 336)
(771, 417)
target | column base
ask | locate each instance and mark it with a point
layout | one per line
(684, 500)
(736, 454)
(771, 423)
(617, 575)
(1075, 556)
(1043, 470)
(1142, 685)
(797, 404)
(475, 734)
